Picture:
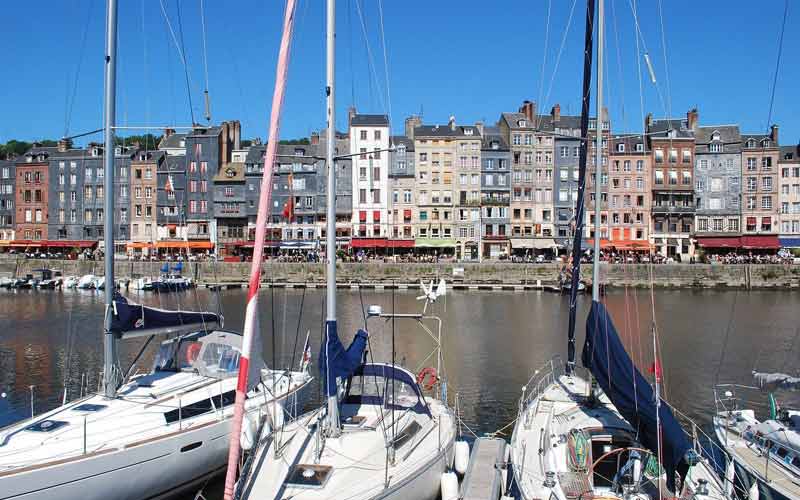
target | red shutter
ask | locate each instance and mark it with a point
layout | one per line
(362, 216)
(376, 216)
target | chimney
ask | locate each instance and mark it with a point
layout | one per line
(556, 112)
(237, 134)
(648, 121)
(691, 119)
(528, 109)
(225, 136)
(479, 126)
(64, 144)
(451, 123)
(168, 132)
(315, 138)
(412, 122)
(773, 134)
(351, 112)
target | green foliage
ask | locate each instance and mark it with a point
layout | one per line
(148, 141)
(302, 140)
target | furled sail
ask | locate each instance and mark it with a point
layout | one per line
(134, 320)
(335, 361)
(605, 356)
(771, 382)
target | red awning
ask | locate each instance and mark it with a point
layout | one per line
(207, 245)
(400, 243)
(368, 243)
(765, 242)
(71, 244)
(720, 242)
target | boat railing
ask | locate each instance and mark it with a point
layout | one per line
(733, 397)
(541, 378)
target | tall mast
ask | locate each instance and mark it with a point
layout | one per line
(598, 152)
(250, 340)
(110, 96)
(580, 204)
(330, 104)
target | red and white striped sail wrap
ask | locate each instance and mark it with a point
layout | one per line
(251, 330)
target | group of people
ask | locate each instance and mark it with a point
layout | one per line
(750, 258)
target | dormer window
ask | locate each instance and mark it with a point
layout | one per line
(765, 143)
(401, 150)
(467, 131)
(592, 124)
(495, 145)
(715, 136)
(299, 152)
(672, 133)
(183, 143)
(522, 123)
(620, 148)
(639, 147)
(715, 147)
(751, 143)
(118, 150)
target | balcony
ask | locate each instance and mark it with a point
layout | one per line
(222, 211)
(672, 209)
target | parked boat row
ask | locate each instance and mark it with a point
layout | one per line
(169, 280)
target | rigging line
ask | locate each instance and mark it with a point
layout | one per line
(178, 47)
(185, 65)
(645, 52)
(727, 334)
(664, 51)
(385, 67)
(350, 52)
(205, 55)
(146, 79)
(560, 51)
(71, 99)
(370, 58)
(777, 63)
(544, 57)
(297, 332)
(619, 64)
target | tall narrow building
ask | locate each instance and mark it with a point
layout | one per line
(369, 136)
(789, 196)
(495, 195)
(760, 222)
(7, 193)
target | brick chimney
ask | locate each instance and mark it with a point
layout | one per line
(556, 112)
(64, 145)
(168, 132)
(237, 134)
(691, 119)
(528, 109)
(648, 121)
(773, 134)
(451, 123)
(412, 122)
(314, 138)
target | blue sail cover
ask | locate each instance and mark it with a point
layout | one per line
(605, 356)
(336, 361)
(135, 318)
(164, 268)
(178, 267)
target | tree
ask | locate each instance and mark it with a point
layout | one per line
(148, 141)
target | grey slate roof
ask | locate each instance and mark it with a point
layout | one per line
(445, 131)
(758, 138)
(730, 137)
(204, 131)
(790, 153)
(659, 129)
(490, 135)
(360, 120)
(567, 121)
(172, 142)
(396, 140)
(630, 140)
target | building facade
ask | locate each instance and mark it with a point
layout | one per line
(495, 195)
(718, 191)
(369, 136)
(760, 154)
(567, 133)
(591, 191)
(143, 210)
(467, 182)
(31, 200)
(7, 199)
(789, 196)
(402, 206)
(629, 193)
(672, 144)
(171, 200)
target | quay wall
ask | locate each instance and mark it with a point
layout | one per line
(781, 276)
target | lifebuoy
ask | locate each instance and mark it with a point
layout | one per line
(427, 374)
(192, 350)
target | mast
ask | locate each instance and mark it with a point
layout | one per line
(251, 330)
(110, 97)
(598, 152)
(330, 104)
(580, 204)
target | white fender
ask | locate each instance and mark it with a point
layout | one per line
(449, 486)
(753, 493)
(462, 457)
(730, 476)
(248, 436)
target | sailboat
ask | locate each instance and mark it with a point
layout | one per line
(149, 434)
(764, 454)
(378, 434)
(609, 435)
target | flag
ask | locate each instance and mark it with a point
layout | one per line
(169, 187)
(306, 359)
(655, 369)
(288, 208)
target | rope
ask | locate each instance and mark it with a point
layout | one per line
(544, 52)
(185, 66)
(178, 47)
(560, 51)
(777, 62)
(205, 56)
(385, 68)
(664, 52)
(369, 54)
(71, 98)
(297, 332)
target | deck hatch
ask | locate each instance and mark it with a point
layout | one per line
(406, 434)
(90, 407)
(309, 476)
(46, 425)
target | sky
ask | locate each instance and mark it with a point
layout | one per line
(471, 59)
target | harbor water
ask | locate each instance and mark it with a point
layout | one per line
(492, 341)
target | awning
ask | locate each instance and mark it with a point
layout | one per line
(720, 242)
(381, 243)
(603, 243)
(626, 244)
(434, 243)
(790, 242)
(298, 245)
(139, 245)
(206, 245)
(52, 243)
(521, 243)
(764, 242)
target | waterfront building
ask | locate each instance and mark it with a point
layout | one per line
(629, 193)
(495, 195)
(402, 204)
(567, 136)
(760, 222)
(369, 136)
(31, 200)
(605, 131)
(672, 144)
(7, 198)
(171, 200)
(718, 192)
(789, 196)
(530, 138)
(143, 211)
(467, 202)
(230, 206)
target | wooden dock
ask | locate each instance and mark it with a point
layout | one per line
(483, 479)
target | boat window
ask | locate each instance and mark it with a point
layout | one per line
(224, 400)
(309, 476)
(376, 389)
(46, 425)
(165, 358)
(796, 461)
(781, 452)
(188, 411)
(221, 358)
(406, 434)
(89, 407)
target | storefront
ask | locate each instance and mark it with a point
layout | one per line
(435, 246)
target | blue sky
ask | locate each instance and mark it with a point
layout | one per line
(472, 59)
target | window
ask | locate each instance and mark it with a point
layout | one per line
(673, 155)
(621, 147)
(659, 155)
(673, 177)
(766, 163)
(751, 202)
(73, 178)
(766, 184)
(564, 151)
(751, 164)
(715, 148)
(687, 178)
(766, 202)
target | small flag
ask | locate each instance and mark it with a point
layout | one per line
(288, 209)
(169, 187)
(306, 359)
(655, 369)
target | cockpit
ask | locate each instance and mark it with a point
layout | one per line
(213, 354)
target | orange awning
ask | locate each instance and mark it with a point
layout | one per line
(206, 245)
(139, 244)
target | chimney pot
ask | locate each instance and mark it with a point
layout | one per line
(314, 138)
(556, 112)
(479, 126)
(452, 123)
(691, 118)
(773, 134)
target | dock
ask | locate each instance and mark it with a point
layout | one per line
(484, 478)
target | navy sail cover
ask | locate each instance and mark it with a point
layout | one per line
(129, 317)
(336, 361)
(605, 356)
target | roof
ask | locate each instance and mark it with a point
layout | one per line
(155, 156)
(360, 120)
(446, 131)
(790, 153)
(567, 121)
(659, 129)
(172, 142)
(729, 136)
(397, 140)
(492, 135)
(204, 131)
(630, 140)
(758, 138)
(232, 172)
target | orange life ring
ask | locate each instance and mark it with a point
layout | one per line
(192, 351)
(427, 374)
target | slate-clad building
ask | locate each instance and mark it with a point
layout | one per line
(402, 204)
(495, 195)
(171, 200)
(567, 133)
(7, 183)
